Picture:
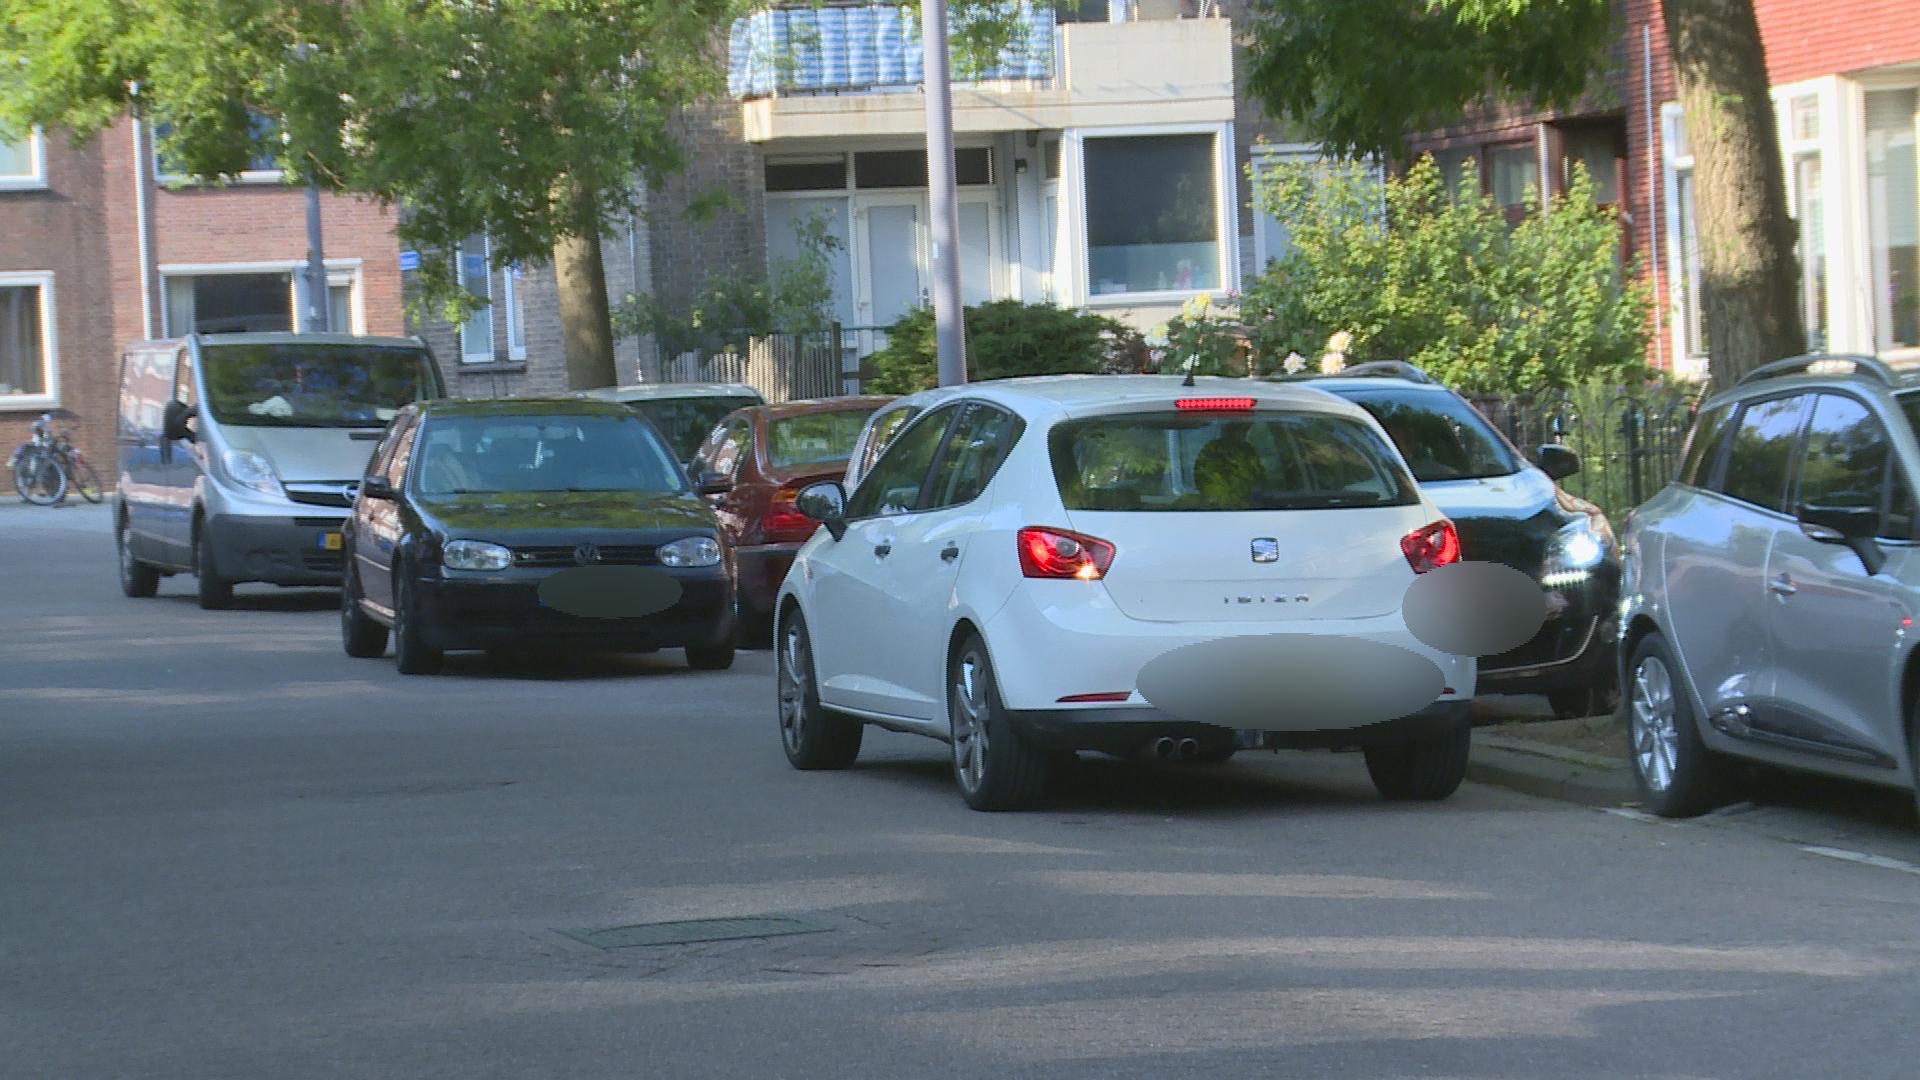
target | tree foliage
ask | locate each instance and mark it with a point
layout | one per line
(1441, 280)
(1362, 75)
(795, 297)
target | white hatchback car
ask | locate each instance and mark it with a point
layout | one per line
(1021, 552)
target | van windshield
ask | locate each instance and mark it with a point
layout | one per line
(295, 384)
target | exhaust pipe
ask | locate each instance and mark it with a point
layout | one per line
(1189, 749)
(1164, 748)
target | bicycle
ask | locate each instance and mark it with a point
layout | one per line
(47, 466)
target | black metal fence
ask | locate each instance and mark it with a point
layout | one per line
(1629, 443)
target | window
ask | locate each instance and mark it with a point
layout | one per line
(309, 385)
(1080, 11)
(826, 173)
(894, 486)
(973, 165)
(476, 277)
(974, 450)
(515, 286)
(1684, 275)
(884, 429)
(1799, 119)
(1441, 436)
(1893, 211)
(1050, 157)
(814, 439)
(1152, 214)
(1598, 150)
(263, 163)
(1453, 167)
(27, 372)
(729, 448)
(1258, 461)
(238, 303)
(383, 452)
(1703, 446)
(396, 467)
(23, 162)
(1514, 172)
(1845, 462)
(1763, 444)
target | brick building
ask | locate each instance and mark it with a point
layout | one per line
(101, 246)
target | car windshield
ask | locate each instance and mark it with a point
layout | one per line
(814, 438)
(686, 422)
(1441, 436)
(313, 385)
(460, 455)
(1249, 461)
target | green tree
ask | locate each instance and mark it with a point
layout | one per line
(537, 122)
(1005, 338)
(1441, 280)
(796, 297)
(1360, 75)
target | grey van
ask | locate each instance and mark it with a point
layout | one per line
(239, 454)
(1770, 591)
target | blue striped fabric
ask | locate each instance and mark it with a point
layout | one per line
(861, 47)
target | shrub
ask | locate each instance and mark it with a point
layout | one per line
(1441, 280)
(795, 298)
(1005, 338)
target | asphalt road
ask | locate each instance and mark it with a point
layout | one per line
(227, 850)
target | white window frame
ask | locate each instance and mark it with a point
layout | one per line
(1792, 149)
(1859, 267)
(339, 272)
(1679, 284)
(35, 178)
(492, 355)
(516, 317)
(1226, 213)
(49, 342)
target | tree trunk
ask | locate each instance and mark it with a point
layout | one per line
(586, 320)
(1749, 271)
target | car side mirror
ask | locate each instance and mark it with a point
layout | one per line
(714, 483)
(1851, 526)
(1557, 461)
(826, 503)
(173, 422)
(377, 487)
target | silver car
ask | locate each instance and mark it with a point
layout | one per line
(1768, 600)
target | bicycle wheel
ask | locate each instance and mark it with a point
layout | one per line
(83, 479)
(39, 479)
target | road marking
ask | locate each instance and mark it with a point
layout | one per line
(1862, 858)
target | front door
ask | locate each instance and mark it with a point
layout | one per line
(181, 466)
(890, 234)
(377, 522)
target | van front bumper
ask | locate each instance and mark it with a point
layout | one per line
(276, 550)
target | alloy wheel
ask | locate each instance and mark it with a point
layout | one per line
(1654, 726)
(793, 686)
(969, 723)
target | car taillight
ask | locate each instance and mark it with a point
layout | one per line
(783, 519)
(1431, 547)
(1057, 553)
(1217, 404)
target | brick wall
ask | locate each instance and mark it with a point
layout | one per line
(1806, 39)
(718, 159)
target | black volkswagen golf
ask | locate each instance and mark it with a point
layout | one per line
(521, 523)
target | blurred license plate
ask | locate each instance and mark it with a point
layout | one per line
(330, 541)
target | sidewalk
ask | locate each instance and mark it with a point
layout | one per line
(75, 514)
(1580, 761)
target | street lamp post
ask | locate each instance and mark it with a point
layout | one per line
(319, 319)
(950, 334)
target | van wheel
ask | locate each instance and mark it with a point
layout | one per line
(215, 592)
(1424, 767)
(1675, 772)
(363, 638)
(137, 579)
(995, 769)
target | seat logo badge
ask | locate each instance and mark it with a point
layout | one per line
(586, 554)
(1266, 549)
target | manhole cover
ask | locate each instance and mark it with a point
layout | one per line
(693, 930)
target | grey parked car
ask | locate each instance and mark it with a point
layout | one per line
(1768, 601)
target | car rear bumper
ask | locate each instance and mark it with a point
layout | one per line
(1129, 730)
(763, 569)
(276, 550)
(487, 613)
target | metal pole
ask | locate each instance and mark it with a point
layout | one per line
(950, 337)
(318, 320)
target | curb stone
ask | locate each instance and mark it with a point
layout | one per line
(1548, 771)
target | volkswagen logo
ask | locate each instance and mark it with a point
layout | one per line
(586, 554)
(1266, 549)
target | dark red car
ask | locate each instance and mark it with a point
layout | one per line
(762, 456)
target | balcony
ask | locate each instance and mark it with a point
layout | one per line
(840, 71)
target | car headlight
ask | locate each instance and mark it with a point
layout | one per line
(693, 551)
(475, 555)
(1575, 551)
(251, 470)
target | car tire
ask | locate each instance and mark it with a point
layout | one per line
(1675, 773)
(214, 592)
(411, 653)
(363, 638)
(137, 580)
(1913, 752)
(710, 657)
(813, 736)
(1423, 767)
(994, 767)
